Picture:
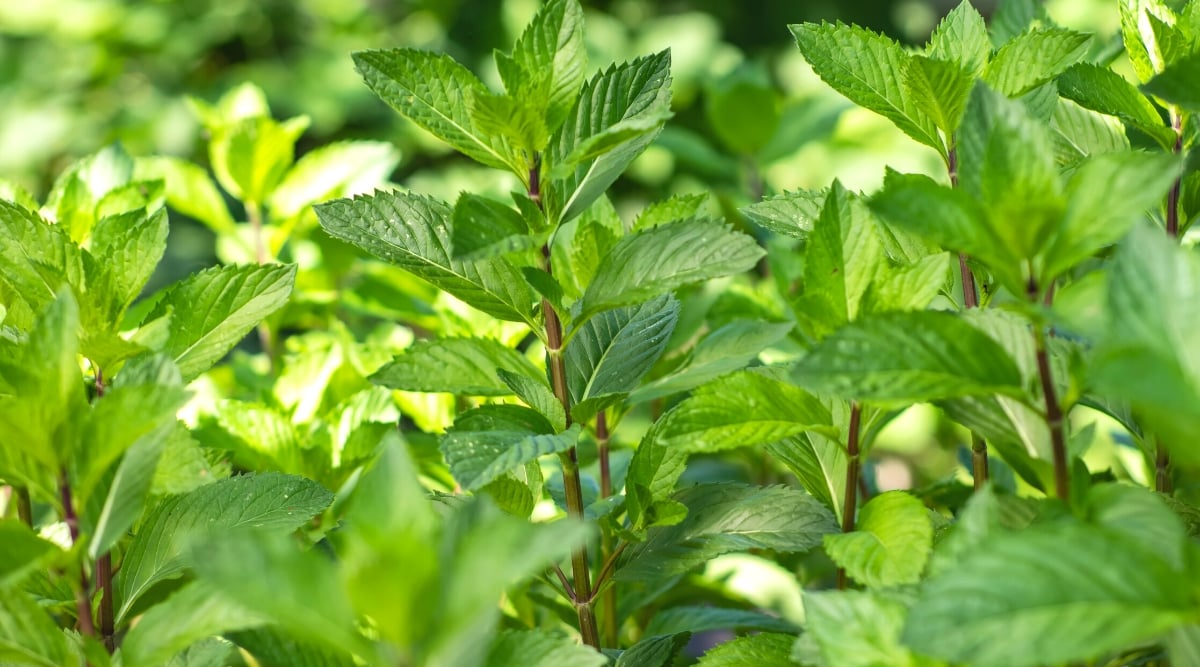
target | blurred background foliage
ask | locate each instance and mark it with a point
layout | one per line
(751, 118)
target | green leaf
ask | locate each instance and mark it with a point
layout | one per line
(868, 68)
(251, 155)
(38, 423)
(551, 59)
(433, 91)
(857, 629)
(949, 217)
(1106, 196)
(192, 613)
(28, 636)
(1103, 90)
(842, 259)
(36, 258)
(484, 227)
(910, 287)
(478, 457)
(819, 464)
(1034, 58)
(414, 233)
(676, 207)
(941, 90)
(743, 109)
(654, 650)
(623, 107)
(609, 355)
(961, 38)
(1080, 133)
(1141, 43)
(267, 502)
(724, 518)
(791, 213)
(189, 191)
(339, 169)
(679, 619)
(1061, 600)
(127, 248)
(1142, 516)
(909, 357)
(655, 261)
(890, 543)
(271, 578)
(768, 648)
(261, 437)
(742, 409)
(465, 366)
(539, 648)
(214, 309)
(1175, 83)
(1013, 18)
(1144, 349)
(1007, 162)
(537, 394)
(727, 349)
(23, 552)
(272, 647)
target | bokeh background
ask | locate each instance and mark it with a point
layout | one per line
(77, 75)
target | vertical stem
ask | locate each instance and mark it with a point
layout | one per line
(1054, 415)
(608, 601)
(850, 502)
(254, 215)
(83, 605)
(24, 505)
(979, 456)
(1162, 459)
(572, 488)
(104, 573)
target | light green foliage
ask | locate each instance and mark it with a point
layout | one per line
(729, 517)
(742, 409)
(701, 619)
(467, 366)
(1031, 59)
(909, 357)
(890, 543)
(540, 649)
(764, 649)
(609, 355)
(654, 650)
(855, 629)
(1103, 90)
(159, 634)
(1172, 84)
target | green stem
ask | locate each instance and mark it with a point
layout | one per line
(83, 605)
(1054, 415)
(572, 487)
(979, 455)
(24, 505)
(608, 600)
(1162, 459)
(850, 502)
(254, 215)
(104, 572)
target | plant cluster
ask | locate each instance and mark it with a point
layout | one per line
(476, 432)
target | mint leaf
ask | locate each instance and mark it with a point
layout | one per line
(890, 544)
(727, 349)
(464, 366)
(29, 636)
(550, 58)
(624, 107)
(192, 613)
(856, 629)
(266, 502)
(1172, 83)
(762, 649)
(433, 91)
(791, 213)
(1034, 58)
(1103, 90)
(478, 457)
(868, 68)
(961, 38)
(654, 650)
(213, 310)
(414, 233)
(484, 227)
(702, 619)
(655, 261)
(608, 356)
(740, 410)
(1059, 602)
(724, 518)
(36, 258)
(940, 89)
(907, 358)
(540, 648)
(339, 169)
(189, 191)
